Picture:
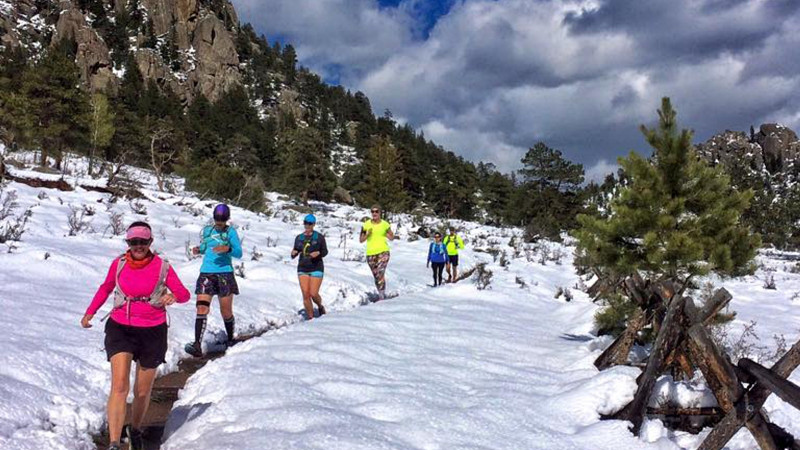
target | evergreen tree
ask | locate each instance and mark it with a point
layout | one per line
(59, 107)
(383, 177)
(101, 126)
(546, 167)
(453, 194)
(169, 51)
(548, 197)
(150, 39)
(16, 122)
(676, 217)
(496, 192)
(306, 165)
(289, 63)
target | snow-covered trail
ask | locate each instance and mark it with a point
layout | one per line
(452, 367)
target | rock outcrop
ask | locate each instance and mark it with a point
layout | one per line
(207, 62)
(779, 144)
(773, 149)
(217, 68)
(92, 55)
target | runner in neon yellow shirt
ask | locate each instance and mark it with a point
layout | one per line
(376, 232)
(454, 243)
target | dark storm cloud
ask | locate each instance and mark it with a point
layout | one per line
(687, 30)
(492, 77)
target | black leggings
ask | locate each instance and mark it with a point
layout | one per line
(438, 268)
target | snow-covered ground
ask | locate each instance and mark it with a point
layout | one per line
(453, 367)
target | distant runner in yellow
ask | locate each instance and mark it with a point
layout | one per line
(454, 243)
(376, 232)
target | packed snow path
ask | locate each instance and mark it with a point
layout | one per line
(449, 368)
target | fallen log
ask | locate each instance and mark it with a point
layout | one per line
(786, 390)
(617, 352)
(60, 184)
(666, 340)
(748, 407)
(716, 368)
(700, 411)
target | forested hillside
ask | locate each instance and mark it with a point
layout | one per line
(181, 86)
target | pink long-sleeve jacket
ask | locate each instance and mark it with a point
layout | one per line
(138, 283)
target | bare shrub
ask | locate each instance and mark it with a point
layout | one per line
(769, 280)
(13, 229)
(556, 255)
(483, 277)
(239, 270)
(77, 221)
(565, 292)
(255, 255)
(503, 260)
(195, 211)
(116, 224)
(353, 255)
(522, 284)
(8, 203)
(748, 344)
(138, 207)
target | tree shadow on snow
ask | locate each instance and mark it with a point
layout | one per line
(577, 337)
(181, 415)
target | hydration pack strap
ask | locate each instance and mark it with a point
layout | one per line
(154, 299)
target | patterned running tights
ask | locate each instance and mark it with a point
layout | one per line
(377, 263)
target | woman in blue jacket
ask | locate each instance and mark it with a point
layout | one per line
(437, 256)
(219, 244)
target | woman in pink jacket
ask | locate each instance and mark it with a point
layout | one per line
(143, 286)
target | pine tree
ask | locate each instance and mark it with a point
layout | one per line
(454, 188)
(101, 126)
(675, 218)
(306, 165)
(16, 121)
(59, 106)
(546, 167)
(383, 176)
(150, 39)
(289, 63)
(548, 199)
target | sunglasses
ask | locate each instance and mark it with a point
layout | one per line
(308, 223)
(137, 242)
(374, 211)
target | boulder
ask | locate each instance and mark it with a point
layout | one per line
(341, 195)
(779, 145)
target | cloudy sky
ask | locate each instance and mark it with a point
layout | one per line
(489, 78)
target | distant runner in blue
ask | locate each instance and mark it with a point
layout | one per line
(219, 244)
(437, 256)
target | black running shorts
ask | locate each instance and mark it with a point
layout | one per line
(453, 260)
(219, 284)
(147, 344)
